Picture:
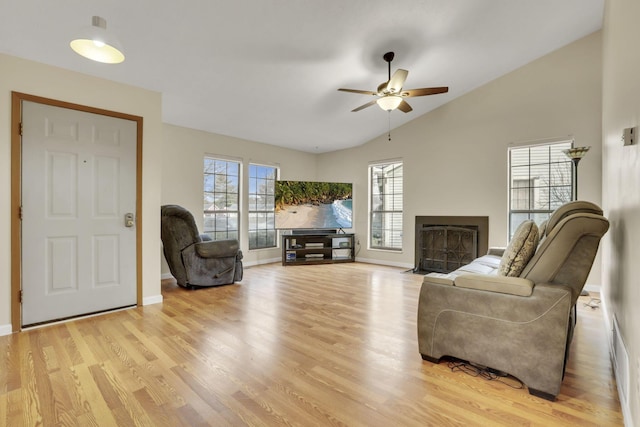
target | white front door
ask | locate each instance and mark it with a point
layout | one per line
(78, 183)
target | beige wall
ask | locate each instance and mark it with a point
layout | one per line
(183, 151)
(42, 80)
(621, 184)
(455, 158)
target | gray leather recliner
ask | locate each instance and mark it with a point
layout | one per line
(195, 260)
(519, 325)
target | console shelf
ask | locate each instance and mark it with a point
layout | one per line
(300, 249)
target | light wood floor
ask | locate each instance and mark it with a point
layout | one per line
(325, 345)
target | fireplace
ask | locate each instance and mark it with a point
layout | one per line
(445, 243)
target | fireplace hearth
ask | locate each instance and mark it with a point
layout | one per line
(445, 243)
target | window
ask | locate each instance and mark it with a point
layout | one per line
(540, 180)
(385, 222)
(221, 208)
(262, 232)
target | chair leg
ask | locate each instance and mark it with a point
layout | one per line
(430, 359)
(547, 396)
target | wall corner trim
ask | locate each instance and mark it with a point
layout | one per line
(155, 299)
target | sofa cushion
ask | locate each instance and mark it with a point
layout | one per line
(492, 261)
(477, 267)
(520, 249)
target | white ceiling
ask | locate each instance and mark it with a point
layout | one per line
(269, 70)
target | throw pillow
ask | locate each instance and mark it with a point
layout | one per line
(542, 229)
(520, 249)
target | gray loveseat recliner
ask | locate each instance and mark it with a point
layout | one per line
(195, 260)
(512, 311)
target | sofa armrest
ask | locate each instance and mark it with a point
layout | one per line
(493, 283)
(439, 278)
(497, 251)
(217, 248)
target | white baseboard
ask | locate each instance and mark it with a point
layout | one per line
(155, 299)
(165, 276)
(592, 288)
(261, 262)
(382, 262)
(5, 330)
(608, 327)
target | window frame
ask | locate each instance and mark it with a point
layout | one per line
(556, 194)
(394, 213)
(250, 211)
(228, 234)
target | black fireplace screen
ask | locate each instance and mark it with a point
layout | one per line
(444, 248)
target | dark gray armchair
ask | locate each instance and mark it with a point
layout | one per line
(519, 322)
(195, 260)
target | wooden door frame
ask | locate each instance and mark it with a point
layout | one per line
(16, 199)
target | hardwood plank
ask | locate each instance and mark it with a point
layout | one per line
(12, 409)
(320, 345)
(97, 409)
(30, 401)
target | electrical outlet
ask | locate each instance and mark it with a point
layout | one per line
(630, 136)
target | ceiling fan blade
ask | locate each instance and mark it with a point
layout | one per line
(397, 80)
(424, 91)
(362, 107)
(362, 92)
(404, 107)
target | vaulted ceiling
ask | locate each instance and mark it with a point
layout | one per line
(269, 70)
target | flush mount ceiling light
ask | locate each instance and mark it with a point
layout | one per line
(97, 44)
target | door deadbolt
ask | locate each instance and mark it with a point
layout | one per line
(128, 220)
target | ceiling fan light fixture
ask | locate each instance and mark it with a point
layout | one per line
(389, 103)
(390, 95)
(97, 44)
